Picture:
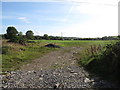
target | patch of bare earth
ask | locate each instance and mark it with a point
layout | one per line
(56, 59)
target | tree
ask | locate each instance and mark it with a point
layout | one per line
(46, 37)
(20, 34)
(29, 34)
(11, 32)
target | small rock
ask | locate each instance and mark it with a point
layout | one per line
(29, 71)
(42, 75)
(59, 57)
(92, 80)
(5, 86)
(87, 80)
(69, 68)
(72, 75)
(54, 72)
(1, 76)
(12, 72)
(56, 63)
(75, 73)
(73, 62)
(56, 85)
(28, 64)
(72, 72)
(70, 59)
(40, 78)
(35, 72)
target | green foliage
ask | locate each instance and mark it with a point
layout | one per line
(11, 32)
(89, 54)
(106, 63)
(46, 37)
(29, 34)
(19, 39)
(12, 35)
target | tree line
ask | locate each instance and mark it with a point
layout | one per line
(14, 36)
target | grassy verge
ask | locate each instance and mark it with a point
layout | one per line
(14, 55)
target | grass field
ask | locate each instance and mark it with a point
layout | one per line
(14, 55)
(76, 43)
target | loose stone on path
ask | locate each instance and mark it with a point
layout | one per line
(67, 77)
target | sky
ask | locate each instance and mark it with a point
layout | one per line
(72, 18)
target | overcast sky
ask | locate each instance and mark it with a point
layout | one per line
(75, 18)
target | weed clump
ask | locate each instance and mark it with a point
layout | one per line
(89, 54)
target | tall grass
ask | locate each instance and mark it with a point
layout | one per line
(104, 61)
(89, 54)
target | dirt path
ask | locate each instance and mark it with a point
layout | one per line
(56, 59)
(61, 71)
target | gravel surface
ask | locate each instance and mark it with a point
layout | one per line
(60, 71)
(55, 59)
(67, 77)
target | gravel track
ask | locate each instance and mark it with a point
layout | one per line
(68, 77)
(39, 74)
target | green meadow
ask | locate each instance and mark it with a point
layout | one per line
(76, 43)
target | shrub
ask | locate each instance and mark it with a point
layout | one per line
(106, 63)
(18, 39)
